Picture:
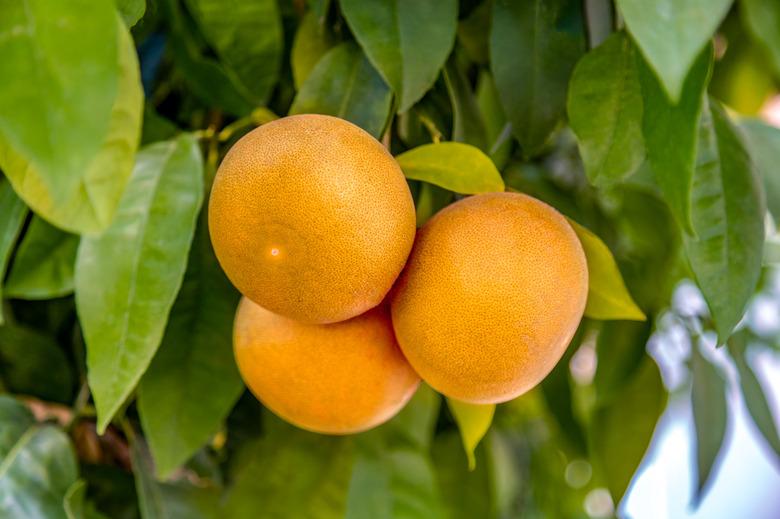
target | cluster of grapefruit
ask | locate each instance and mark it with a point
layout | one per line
(347, 305)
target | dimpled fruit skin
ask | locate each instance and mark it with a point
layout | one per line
(337, 378)
(311, 218)
(491, 296)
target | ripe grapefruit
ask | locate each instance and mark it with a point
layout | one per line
(493, 292)
(336, 378)
(312, 218)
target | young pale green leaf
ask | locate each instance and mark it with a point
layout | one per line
(76, 504)
(623, 426)
(474, 422)
(247, 37)
(534, 46)
(12, 216)
(459, 167)
(127, 278)
(312, 41)
(344, 84)
(762, 18)
(43, 266)
(131, 10)
(89, 200)
(37, 465)
(407, 42)
(754, 395)
(763, 142)
(728, 218)
(605, 111)
(608, 297)
(498, 131)
(710, 417)
(60, 78)
(467, 125)
(671, 131)
(192, 383)
(671, 33)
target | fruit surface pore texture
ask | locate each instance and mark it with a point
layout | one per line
(493, 292)
(312, 218)
(334, 378)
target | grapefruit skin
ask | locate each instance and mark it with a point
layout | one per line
(337, 378)
(491, 296)
(312, 218)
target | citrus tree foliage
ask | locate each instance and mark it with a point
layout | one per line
(636, 119)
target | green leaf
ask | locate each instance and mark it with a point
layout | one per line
(37, 465)
(762, 18)
(459, 167)
(344, 84)
(534, 46)
(430, 200)
(671, 34)
(76, 504)
(608, 297)
(193, 382)
(76, 180)
(407, 42)
(497, 129)
(43, 265)
(285, 465)
(467, 123)
(605, 111)
(247, 37)
(12, 216)
(728, 217)
(32, 363)
(127, 278)
(473, 422)
(754, 395)
(168, 501)
(670, 132)
(312, 41)
(473, 33)
(131, 10)
(763, 142)
(623, 426)
(710, 416)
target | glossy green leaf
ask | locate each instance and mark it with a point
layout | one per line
(43, 265)
(473, 422)
(467, 125)
(286, 464)
(498, 131)
(168, 501)
(76, 504)
(131, 10)
(763, 142)
(37, 465)
(344, 84)
(455, 166)
(605, 111)
(474, 33)
(12, 216)
(77, 187)
(192, 383)
(710, 417)
(312, 41)
(671, 132)
(762, 18)
(534, 46)
(623, 426)
(32, 363)
(247, 37)
(608, 297)
(127, 278)
(672, 33)
(430, 200)
(728, 218)
(755, 396)
(407, 42)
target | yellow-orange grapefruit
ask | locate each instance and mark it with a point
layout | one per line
(493, 292)
(336, 378)
(312, 218)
